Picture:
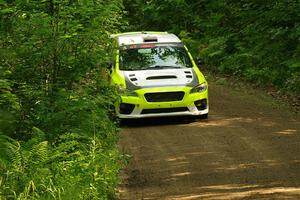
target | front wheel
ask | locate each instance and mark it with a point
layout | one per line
(205, 116)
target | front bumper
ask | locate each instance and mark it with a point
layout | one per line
(138, 107)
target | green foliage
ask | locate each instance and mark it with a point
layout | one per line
(56, 138)
(9, 103)
(76, 167)
(158, 15)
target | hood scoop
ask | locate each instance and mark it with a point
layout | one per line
(132, 77)
(188, 74)
(161, 77)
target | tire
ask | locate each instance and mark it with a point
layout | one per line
(205, 116)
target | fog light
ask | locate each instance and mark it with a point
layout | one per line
(126, 108)
(201, 104)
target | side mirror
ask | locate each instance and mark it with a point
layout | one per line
(109, 65)
(199, 61)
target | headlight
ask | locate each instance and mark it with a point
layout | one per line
(126, 92)
(199, 88)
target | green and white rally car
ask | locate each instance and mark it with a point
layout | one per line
(157, 76)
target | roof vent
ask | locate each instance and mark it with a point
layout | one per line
(150, 39)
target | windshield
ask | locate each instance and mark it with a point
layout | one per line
(154, 57)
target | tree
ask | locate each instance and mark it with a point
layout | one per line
(60, 142)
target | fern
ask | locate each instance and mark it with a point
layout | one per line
(8, 149)
(39, 152)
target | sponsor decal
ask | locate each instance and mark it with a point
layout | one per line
(151, 45)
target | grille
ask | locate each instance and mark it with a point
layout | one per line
(164, 110)
(164, 96)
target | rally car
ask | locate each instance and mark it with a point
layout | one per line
(156, 76)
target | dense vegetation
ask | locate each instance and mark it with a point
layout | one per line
(56, 140)
(258, 40)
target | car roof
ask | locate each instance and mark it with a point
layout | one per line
(145, 37)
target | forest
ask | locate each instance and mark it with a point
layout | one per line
(58, 137)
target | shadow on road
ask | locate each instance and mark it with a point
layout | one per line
(159, 121)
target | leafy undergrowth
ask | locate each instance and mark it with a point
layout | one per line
(75, 157)
(269, 95)
(56, 138)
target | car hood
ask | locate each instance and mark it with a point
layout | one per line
(160, 78)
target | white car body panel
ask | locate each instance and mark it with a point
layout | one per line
(149, 78)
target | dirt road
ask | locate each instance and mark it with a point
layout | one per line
(247, 149)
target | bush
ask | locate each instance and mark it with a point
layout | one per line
(56, 138)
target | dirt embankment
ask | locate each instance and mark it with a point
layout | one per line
(245, 150)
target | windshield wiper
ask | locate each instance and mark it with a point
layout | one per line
(163, 67)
